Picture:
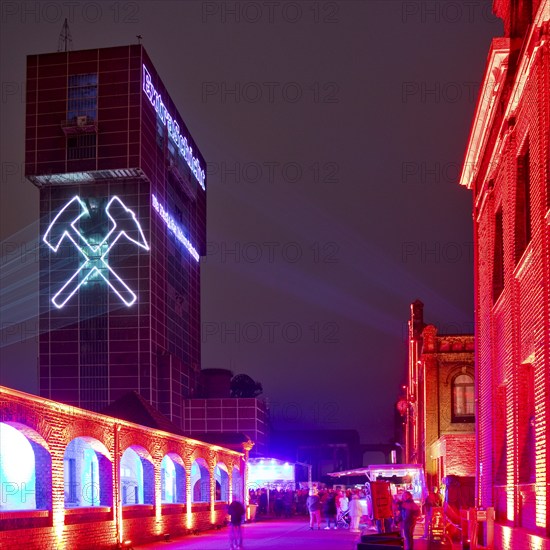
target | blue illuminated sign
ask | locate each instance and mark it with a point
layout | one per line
(94, 254)
(174, 228)
(173, 128)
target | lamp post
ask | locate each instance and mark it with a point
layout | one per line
(405, 406)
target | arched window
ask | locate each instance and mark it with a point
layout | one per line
(200, 481)
(172, 479)
(137, 477)
(23, 453)
(222, 482)
(463, 398)
(237, 483)
(87, 472)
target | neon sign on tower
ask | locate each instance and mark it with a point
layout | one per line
(94, 254)
(173, 128)
(174, 228)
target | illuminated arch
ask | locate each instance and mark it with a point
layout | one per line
(237, 484)
(87, 473)
(200, 481)
(172, 479)
(221, 478)
(137, 476)
(23, 452)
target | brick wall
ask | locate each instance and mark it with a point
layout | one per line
(507, 167)
(516, 344)
(460, 458)
(449, 443)
(51, 426)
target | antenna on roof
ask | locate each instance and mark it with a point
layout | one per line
(65, 41)
(139, 37)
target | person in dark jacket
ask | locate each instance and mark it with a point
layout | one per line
(410, 512)
(236, 514)
(330, 509)
(262, 503)
(433, 500)
(313, 504)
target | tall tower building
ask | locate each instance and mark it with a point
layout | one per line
(122, 228)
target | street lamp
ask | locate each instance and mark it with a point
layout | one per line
(405, 406)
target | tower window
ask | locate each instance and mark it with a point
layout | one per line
(82, 97)
(82, 146)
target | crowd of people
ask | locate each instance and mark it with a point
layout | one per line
(339, 508)
(325, 506)
(334, 508)
(289, 502)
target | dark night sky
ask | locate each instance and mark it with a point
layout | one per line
(348, 130)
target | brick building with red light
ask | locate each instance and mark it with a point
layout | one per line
(507, 166)
(438, 410)
(71, 478)
(449, 420)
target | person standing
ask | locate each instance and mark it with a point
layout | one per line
(342, 503)
(262, 502)
(410, 512)
(313, 504)
(236, 513)
(355, 512)
(330, 509)
(433, 500)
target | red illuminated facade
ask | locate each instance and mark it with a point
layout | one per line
(122, 226)
(438, 407)
(507, 168)
(96, 482)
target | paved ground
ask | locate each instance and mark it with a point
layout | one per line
(290, 534)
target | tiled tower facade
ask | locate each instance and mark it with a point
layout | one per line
(122, 206)
(507, 166)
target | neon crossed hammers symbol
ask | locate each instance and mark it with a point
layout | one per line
(123, 224)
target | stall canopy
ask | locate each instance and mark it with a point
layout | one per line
(409, 477)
